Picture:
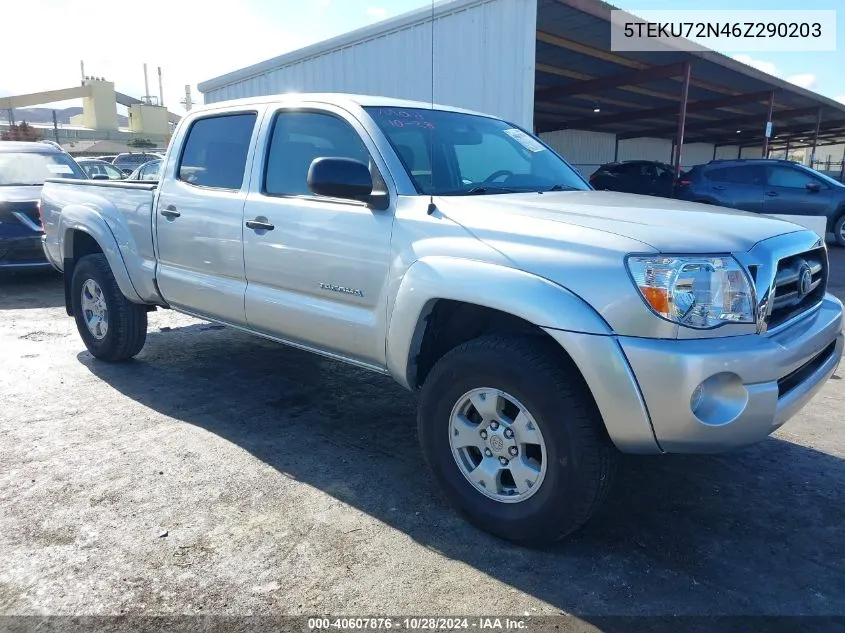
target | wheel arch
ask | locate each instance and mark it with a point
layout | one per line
(84, 232)
(479, 298)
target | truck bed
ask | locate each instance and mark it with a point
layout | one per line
(117, 214)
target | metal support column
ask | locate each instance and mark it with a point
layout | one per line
(714, 150)
(816, 137)
(767, 131)
(786, 154)
(682, 120)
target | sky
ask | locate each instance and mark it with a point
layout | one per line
(194, 41)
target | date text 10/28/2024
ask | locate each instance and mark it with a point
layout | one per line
(416, 623)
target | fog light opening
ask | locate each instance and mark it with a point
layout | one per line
(719, 400)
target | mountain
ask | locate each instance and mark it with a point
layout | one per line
(45, 115)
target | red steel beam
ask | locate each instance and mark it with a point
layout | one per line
(606, 83)
(682, 119)
(768, 118)
(659, 113)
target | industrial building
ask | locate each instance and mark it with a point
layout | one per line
(547, 66)
(96, 129)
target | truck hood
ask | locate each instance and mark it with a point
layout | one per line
(664, 224)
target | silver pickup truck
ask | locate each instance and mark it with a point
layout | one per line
(546, 326)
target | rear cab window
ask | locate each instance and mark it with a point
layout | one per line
(215, 151)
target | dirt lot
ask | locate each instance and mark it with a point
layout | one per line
(218, 473)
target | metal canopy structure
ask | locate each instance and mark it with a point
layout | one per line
(689, 97)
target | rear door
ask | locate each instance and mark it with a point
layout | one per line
(787, 192)
(738, 186)
(199, 216)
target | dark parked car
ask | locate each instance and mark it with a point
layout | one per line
(777, 187)
(635, 176)
(24, 166)
(100, 169)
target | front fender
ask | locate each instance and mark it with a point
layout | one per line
(532, 298)
(87, 220)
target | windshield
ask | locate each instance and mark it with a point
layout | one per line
(33, 168)
(830, 181)
(471, 154)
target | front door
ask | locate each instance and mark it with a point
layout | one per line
(316, 267)
(787, 192)
(199, 218)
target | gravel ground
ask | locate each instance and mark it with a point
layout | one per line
(222, 474)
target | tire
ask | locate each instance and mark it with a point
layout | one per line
(126, 322)
(839, 230)
(580, 460)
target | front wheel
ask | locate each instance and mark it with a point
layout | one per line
(112, 327)
(514, 440)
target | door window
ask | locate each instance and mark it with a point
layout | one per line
(215, 151)
(787, 177)
(299, 138)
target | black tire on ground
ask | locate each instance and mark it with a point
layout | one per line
(581, 460)
(127, 321)
(839, 230)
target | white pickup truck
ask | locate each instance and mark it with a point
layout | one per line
(547, 326)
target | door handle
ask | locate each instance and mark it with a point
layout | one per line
(258, 225)
(170, 212)
(719, 187)
(772, 194)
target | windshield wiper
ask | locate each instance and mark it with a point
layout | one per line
(480, 191)
(562, 188)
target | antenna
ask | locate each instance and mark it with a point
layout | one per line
(431, 207)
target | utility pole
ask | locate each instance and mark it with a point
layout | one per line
(187, 102)
(55, 127)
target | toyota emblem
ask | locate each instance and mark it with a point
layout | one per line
(805, 280)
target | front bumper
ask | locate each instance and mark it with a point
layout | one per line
(22, 253)
(644, 388)
(751, 384)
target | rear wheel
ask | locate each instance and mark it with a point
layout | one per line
(514, 440)
(112, 327)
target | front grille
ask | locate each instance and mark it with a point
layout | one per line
(790, 381)
(800, 283)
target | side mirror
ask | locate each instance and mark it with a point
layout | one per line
(814, 187)
(99, 177)
(343, 178)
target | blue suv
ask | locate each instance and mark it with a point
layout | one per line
(776, 187)
(24, 166)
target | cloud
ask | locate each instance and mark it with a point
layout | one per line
(759, 64)
(803, 80)
(215, 43)
(377, 12)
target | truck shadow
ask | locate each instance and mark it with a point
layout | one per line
(756, 531)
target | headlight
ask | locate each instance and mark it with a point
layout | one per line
(698, 291)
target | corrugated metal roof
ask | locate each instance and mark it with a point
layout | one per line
(572, 44)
